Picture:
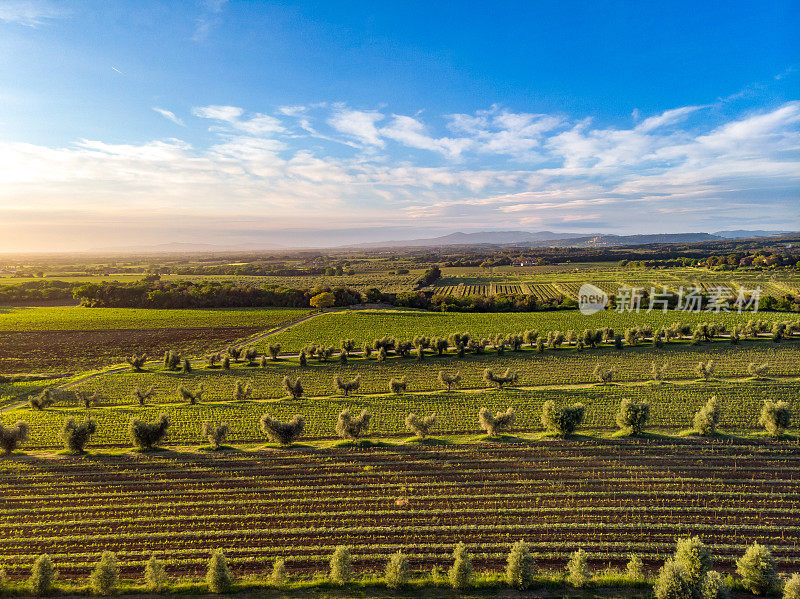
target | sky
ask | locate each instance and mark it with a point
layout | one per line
(271, 124)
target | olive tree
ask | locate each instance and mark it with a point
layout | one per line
(147, 435)
(563, 420)
(420, 426)
(776, 416)
(497, 423)
(352, 427)
(284, 433)
(75, 435)
(632, 416)
(13, 436)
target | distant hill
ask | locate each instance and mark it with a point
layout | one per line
(479, 238)
(744, 233)
(543, 238)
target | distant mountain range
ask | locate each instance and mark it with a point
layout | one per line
(549, 238)
(501, 238)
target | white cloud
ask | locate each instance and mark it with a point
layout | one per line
(208, 19)
(260, 164)
(358, 124)
(169, 115)
(410, 132)
(258, 124)
(30, 13)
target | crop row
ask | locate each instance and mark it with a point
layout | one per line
(610, 498)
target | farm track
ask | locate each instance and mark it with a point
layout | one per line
(610, 497)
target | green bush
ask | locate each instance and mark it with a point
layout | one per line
(104, 579)
(757, 569)
(520, 567)
(14, 436)
(635, 568)
(43, 575)
(284, 433)
(76, 435)
(147, 435)
(218, 577)
(578, 569)
(397, 571)
(460, 574)
(632, 416)
(500, 422)
(341, 565)
(671, 582)
(278, 576)
(776, 416)
(707, 418)
(563, 420)
(155, 576)
(715, 586)
(791, 589)
(352, 427)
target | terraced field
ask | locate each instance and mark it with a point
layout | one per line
(607, 497)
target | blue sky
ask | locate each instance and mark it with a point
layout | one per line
(258, 123)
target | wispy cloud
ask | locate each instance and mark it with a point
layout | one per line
(208, 19)
(30, 13)
(169, 115)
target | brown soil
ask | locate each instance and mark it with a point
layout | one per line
(42, 351)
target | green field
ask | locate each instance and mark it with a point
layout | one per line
(366, 325)
(595, 491)
(82, 319)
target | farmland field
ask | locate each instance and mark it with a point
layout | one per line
(610, 498)
(366, 325)
(44, 339)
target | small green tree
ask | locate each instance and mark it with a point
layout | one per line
(352, 427)
(671, 582)
(13, 436)
(43, 575)
(155, 576)
(347, 387)
(448, 380)
(76, 435)
(791, 589)
(341, 566)
(493, 425)
(695, 560)
(757, 569)
(520, 566)
(278, 577)
(460, 573)
(707, 418)
(218, 576)
(104, 579)
(293, 388)
(420, 426)
(284, 433)
(397, 571)
(323, 300)
(635, 568)
(146, 435)
(578, 569)
(715, 586)
(215, 434)
(776, 416)
(563, 420)
(632, 417)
